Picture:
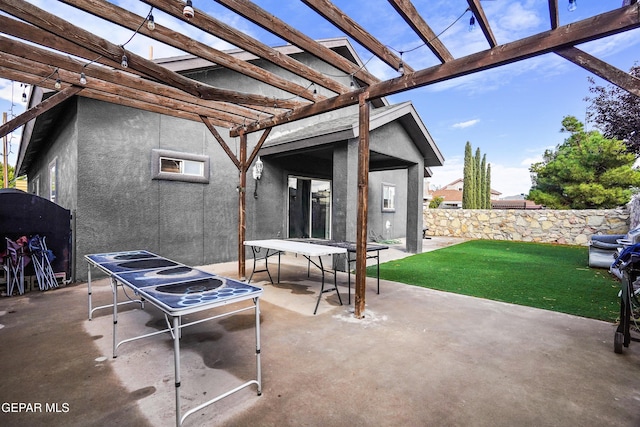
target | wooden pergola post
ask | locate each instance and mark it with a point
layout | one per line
(242, 202)
(363, 197)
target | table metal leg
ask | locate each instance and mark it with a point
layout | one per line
(89, 288)
(266, 264)
(378, 275)
(322, 290)
(176, 361)
(114, 289)
(349, 276)
(256, 302)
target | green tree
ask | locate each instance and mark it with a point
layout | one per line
(483, 183)
(435, 202)
(488, 187)
(586, 171)
(12, 181)
(616, 112)
(477, 168)
(468, 197)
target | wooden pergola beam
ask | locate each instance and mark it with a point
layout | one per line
(117, 15)
(350, 27)
(113, 98)
(606, 24)
(116, 82)
(221, 141)
(102, 47)
(482, 21)
(275, 25)
(129, 78)
(602, 69)
(219, 29)
(36, 110)
(553, 14)
(409, 13)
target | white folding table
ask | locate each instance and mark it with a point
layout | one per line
(307, 250)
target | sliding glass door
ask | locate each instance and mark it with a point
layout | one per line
(309, 208)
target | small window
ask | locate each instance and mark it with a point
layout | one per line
(388, 198)
(53, 180)
(35, 186)
(176, 166)
(185, 167)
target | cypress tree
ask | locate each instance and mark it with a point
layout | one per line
(477, 193)
(483, 183)
(488, 186)
(468, 179)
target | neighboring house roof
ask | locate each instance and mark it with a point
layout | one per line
(515, 204)
(346, 127)
(454, 185)
(448, 195)
(455, 196)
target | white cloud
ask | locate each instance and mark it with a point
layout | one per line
(518, 18)
(466, 124)
(510, 180)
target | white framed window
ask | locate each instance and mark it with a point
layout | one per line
(35, 186)
(181, 166)
(53, 180)
(388, 197)
(177, 166)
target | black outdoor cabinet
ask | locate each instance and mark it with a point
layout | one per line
(24, 214)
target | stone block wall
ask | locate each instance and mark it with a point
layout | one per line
(570, 227)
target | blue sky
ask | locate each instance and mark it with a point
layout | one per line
(512, 113)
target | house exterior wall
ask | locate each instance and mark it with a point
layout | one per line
(63, 150)
(105, 153)
(388, 225)
(121, 207)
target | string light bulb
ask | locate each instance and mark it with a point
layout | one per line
(401, 65)
(573, 5)
(188, 11)
(472, 23)
(125, 61)
(83, 78)
(58, 84)
(24, 93)
(151, 23)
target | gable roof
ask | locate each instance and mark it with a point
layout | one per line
(345, 127)
(36, 132)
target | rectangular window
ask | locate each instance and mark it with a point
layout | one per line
(388, 198)
(185, 167)
(176, 166)
(35, 186)
(53, 180)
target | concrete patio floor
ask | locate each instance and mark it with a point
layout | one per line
(419, 358)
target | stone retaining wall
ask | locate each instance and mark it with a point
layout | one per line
(571, 227)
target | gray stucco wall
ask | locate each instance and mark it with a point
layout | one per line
(377, 218)
(61, 148)
(121, 207)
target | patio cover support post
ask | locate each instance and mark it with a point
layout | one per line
(363, 197)
(242, 202)
(5, 153)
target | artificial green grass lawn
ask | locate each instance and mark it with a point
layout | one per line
(552, 277)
